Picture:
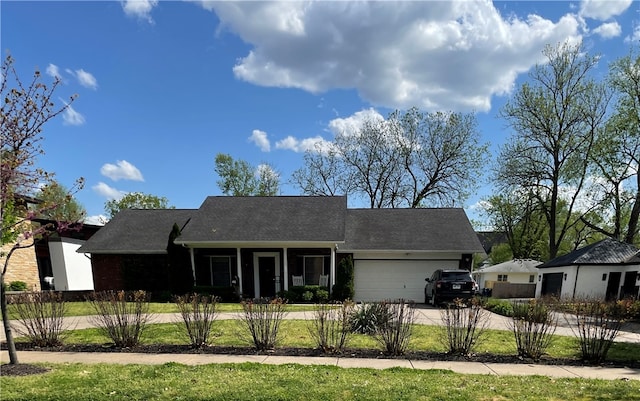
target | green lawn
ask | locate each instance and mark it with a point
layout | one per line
(295, 333)
(296, 382)
(85, 308)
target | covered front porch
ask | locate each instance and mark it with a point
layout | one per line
(263, 272)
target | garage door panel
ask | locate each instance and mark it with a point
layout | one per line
(376, 280)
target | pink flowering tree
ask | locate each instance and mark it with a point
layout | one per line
(24, 110)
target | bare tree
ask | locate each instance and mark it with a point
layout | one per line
(412, 159)
(556, 118)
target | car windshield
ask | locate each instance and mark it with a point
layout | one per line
(456, 276)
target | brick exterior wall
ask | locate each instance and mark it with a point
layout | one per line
(23, 266)
(107, 272)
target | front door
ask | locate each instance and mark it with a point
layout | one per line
(266, 268)
(613, 286)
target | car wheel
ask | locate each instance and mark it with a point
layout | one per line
(434, 302)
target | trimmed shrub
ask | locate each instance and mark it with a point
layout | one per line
(262, 318)
(596, 323)
(322, 295)
(500, 306)
(121, 316)
(533, 324)
(198, 313)
(394, 333)
(41, 315)
(289, 296)
(463, 326)
(329, 327)
(307, 293)
(222, 293)
(17, 286)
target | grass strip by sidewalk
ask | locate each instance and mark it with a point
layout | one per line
(257, 382)
(294, 333)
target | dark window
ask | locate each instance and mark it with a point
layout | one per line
(532, 278)
(502, 277)
(314, 267)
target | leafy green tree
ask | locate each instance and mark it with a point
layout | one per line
(556, 117)
(136, 200)
(25, 109)
(239, 178)
(58, 204)
(617, 157)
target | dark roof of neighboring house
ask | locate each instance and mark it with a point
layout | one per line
(137, 231)
(489, 239)
(223, 219)
(441, 229)
(605, 252)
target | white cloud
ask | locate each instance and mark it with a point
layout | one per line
(53, 71)
(634, 37)
(608, 30)
(140, 9)
(603, 9)
(316, 143)
(108, 192)
(71, 116)
(352, 124)
(86, 79)
(449, 55)
(122, 170)
(260, 139)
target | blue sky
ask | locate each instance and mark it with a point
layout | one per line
(164, 86)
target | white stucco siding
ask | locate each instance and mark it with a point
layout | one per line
(583, 281)
(379, 277)
(71, 270)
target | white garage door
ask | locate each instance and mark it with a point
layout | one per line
(377, 280)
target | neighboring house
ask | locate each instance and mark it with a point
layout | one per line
(511, 279)
(59, 262)
(607, 269)
(260, 243)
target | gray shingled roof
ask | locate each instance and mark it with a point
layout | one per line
(137, 231)
(267, 219)
(439, 230)
(605, 252)
(513, 266)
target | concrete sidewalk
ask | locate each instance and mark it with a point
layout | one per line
(499, 369)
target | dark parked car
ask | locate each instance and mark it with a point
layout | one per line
(449, 284)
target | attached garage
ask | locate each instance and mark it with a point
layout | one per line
(377, 280)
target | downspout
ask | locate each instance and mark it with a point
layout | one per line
(239, 270)
(285, 261)
(332, 269)
(575, 283)
(193, 266)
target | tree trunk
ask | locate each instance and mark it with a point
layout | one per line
(11, 345)
(632, 229)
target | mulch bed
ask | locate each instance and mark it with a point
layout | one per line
(23, 369)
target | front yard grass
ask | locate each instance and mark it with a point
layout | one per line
(294, 333)
(83, 308)
(257, 382)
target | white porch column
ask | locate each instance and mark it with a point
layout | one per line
(193, 266)
(285, 260)
(332, 272)
(239, 269)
